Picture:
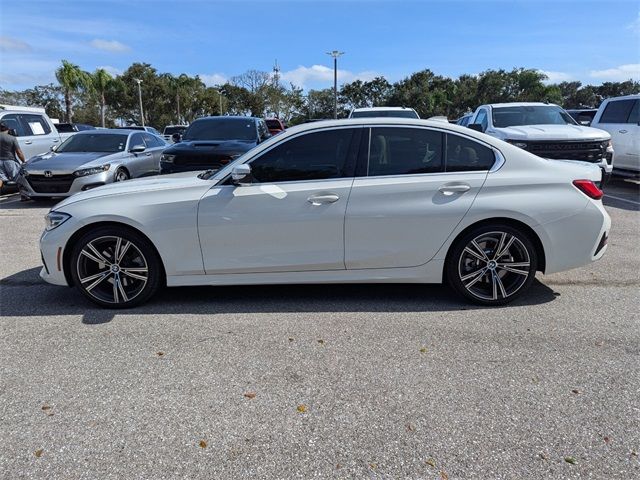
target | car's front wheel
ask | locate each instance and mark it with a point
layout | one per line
(121, 175)
(492, 264)
(115, 267)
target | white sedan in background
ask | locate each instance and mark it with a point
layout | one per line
(361, 200)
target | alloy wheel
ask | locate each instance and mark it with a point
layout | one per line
(494, 266)
(120, 176)
(112, 269)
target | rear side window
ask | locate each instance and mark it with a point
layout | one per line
(35, 125)
(634, 116)
(464, 155)
(404, 151)
(312, 156)
(618, 111)
(152, 141)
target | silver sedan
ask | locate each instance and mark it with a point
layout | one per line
(91, 159)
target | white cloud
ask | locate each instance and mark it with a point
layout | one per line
(635, 25)
(113, 46)
(8, 44)
(618, 74)
(114, 71)
(318, 75)
(213, 79)
(556, 77)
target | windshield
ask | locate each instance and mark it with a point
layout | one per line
(221, 129)
(385, 113)
(530, 115)
(273, 124)
(94, 142)
(172, 130)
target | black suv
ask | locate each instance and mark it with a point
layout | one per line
(212, 142)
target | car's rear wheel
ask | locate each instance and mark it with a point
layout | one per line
(492, 264)
(121, 175)
(115, 267)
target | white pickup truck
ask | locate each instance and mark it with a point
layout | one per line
(34, 130)
(546, 130)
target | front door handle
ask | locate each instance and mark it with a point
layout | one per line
(622, 131)
(323, 198)
(28, 142)
(451, 188)
(147, 154)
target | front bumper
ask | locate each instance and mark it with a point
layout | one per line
(62, 185)
(52, 246)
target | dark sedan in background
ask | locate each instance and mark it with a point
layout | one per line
(212, 142)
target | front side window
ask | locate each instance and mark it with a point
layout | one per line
(404, 151)
(504, 117)
(135, 140)
(619, 111)
(311, 156)
(94, 142)
(482, 119)
(35, 125)
(12, 122)
(464, 155)
(152, 141)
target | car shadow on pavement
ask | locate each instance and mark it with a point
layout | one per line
(24, 294)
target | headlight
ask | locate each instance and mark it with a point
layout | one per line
(518, 144)
(607, 145)
(91, 171)
(55, 219)
(167, 158)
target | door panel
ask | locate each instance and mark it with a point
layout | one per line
(403, 221)
(291, 226)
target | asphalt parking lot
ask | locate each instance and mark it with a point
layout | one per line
(359, 381)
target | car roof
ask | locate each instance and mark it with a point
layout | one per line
(520, 104)
(376, 109)
(103, 131)
(624, 97)
(226, 117)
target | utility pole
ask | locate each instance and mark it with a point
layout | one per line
(219, 90)
(335, 54)
(138, 81)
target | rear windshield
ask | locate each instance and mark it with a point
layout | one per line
(65, 128)
(172, 130)
(530, 115)
(221, 129)
(385, 113)
(94, 142)
(273, 124)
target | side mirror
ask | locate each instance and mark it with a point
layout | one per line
(476, 126)
(138, 148)
(176, 137)
(241, 174)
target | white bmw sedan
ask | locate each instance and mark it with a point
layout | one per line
(362, 200)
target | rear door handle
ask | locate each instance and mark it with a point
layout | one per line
(148, 154)
(55, 141)
(28, 142)
(451, 188)
(323, 198)
(622, 131)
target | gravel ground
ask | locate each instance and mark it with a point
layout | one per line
(357, 381)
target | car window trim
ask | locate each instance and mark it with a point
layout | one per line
(495, 166)
(352, 144)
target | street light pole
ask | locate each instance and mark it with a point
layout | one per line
(335, 54)
(138, 81)
(219, 90)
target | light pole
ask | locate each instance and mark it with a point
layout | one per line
(138, 81)
(219, 90)
(335, 54)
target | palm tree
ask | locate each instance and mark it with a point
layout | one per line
(102, 81)
(72, 79)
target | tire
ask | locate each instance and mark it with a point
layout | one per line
(130, 280)
(476, 271)
(121, 175)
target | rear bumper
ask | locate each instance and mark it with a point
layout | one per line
(577, 240)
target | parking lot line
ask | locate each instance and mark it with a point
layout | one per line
(622, 199)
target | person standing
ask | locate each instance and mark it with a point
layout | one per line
(9, 154)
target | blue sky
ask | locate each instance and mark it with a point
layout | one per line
(592, 41)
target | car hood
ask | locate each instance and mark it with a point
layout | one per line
(141, 185)
(68, 162)
(553, 132)
(210, 146)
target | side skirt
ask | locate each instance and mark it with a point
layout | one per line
(431, 272)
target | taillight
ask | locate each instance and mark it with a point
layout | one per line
(589, 188)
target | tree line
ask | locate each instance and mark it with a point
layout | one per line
(99, 98)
